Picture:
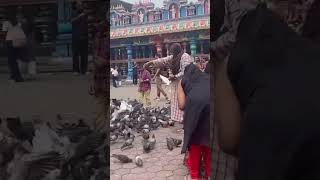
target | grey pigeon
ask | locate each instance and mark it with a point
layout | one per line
(122, 158)
(176, 142)
(128, 143)
(33, 166)
(170, 144)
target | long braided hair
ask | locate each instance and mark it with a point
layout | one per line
(177, 53)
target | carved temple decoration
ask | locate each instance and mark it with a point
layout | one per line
(144, 12)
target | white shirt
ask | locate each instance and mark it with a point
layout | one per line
(114, 72)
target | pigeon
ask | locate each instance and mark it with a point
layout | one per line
(145, 136)
(146, 146)
(122, 158)
(114, 137)
(152, 142)
(170, 144)
(171, 123)
(149, 144)
(21, 131)
(33, 166)
(176, 142)
(128, 143)
(138, 161)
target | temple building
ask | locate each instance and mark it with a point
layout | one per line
(140, 31)
(52, 19)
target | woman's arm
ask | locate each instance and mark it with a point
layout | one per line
(159, 63)
(227, 113)
(185, 61)
(181, 96)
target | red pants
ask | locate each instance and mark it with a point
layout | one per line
(194, 157)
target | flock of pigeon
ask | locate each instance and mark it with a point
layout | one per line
(39, 151)
(129, 118)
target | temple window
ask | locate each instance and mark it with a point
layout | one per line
(157, 16)
(191, 11)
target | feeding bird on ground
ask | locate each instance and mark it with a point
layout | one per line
(149, 144)
(128, 143)
(122, 158)
(170, 144)
(138, 161)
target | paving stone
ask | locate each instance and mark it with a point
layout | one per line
(164, 173)
(181, 172)
(176, 162)
(154, 169)
(152, 160)
(122, 171)
(159, 178)
(136, 177)
(162, 162)
(138, 170)
(115, 177)
(115, 166)
(129, 166)
(170, 167)
(174, 177)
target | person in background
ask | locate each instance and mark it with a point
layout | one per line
(194, 99)
(176, 62)
(135, 73)
(99, 87)
(144, 86)
(159, 82)
(16, 42)
(114, 75)
(79, 39)
(118, 76)
(30, 31)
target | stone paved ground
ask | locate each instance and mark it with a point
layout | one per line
(159, 164)
(131, 91)
(45, 97)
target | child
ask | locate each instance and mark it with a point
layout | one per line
(194, 99)
(144, 86)
(99, 88)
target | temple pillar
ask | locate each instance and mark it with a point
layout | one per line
(143, 49)
(129, 53)
(184, 45)
(151, 51)
(137, 51)
(115, 50)
(193, 47)
(167, 49)
(159, 48)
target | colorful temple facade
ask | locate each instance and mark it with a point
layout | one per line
(140, 31)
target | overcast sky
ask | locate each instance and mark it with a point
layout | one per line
(157, 3)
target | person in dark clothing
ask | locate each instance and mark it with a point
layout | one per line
(135, 73)
(80, 39)
(194, 99)
(267, 100)
(30, 31)
(14, 52)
